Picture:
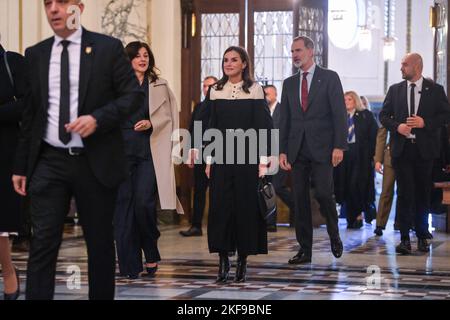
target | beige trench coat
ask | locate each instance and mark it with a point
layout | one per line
(164, 116)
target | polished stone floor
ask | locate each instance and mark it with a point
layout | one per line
(369, 269)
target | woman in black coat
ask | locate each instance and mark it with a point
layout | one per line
(234, 221)
(12, 90)
(354, 177)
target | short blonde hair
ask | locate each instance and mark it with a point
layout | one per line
(357, 99)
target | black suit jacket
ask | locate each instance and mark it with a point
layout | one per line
(276, 117)
(323, 125)
(433, 108)
(108, 90)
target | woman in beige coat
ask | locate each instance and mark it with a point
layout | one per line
(147, 136)
(164, 115)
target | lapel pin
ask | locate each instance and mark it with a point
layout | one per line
(88, 50)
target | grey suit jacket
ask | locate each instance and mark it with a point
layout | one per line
(323, 125)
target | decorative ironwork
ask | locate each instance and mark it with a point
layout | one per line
(311, 24)
(219, 31)
(272, 41)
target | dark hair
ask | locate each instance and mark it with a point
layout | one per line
(309, 43)
(211, 77)
(132, 50)
(246, 74)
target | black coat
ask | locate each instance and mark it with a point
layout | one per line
(10, 116)
(109, 91)
(366, 135)
(234, 221)
(433, 108)
(202, 114)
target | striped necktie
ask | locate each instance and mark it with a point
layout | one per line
(351, 128)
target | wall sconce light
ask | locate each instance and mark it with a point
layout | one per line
(437, 16)
(194, 25)
(389, 49)
(433, 17)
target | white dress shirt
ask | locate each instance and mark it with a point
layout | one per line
(417, 95)
(54, 89)
(273, 107)
(309, 78)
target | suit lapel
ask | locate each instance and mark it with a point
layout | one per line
(315, 85)
(425, 93)
(404, 98)
(44, 64)
(86, 57)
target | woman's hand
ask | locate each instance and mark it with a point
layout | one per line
(142, 125)
(208, 170)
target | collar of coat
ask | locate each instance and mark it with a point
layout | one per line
(159, 82)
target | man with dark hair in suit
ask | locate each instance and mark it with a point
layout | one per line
(313, 137)
(201, 115)
(414, 111)
(279, 179)
(81, 85)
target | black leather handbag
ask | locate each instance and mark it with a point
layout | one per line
(267, 198)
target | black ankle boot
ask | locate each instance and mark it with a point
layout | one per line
(241, 269)
(224, 268)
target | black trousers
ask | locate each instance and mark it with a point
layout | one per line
(135, 219)
(353, 197)
(201, 183)
(414, 176)
(57, 177)
(306, 171)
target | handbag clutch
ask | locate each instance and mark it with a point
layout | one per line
(267, 198)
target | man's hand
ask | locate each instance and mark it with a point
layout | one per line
(142, 125)
(415, 122)
(84, 126)
(337, 157)
(379, 167)
(404, 129)
(284, 164)
(20, 183)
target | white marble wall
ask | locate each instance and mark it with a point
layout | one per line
(124, 19)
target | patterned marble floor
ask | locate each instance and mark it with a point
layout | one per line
(368, 270)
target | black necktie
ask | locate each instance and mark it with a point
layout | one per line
(412, 100)
(64, 100)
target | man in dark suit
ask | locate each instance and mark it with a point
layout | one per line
(279, 179)
(414, 112)
(313, 137)
(199, 115)
(81, 85)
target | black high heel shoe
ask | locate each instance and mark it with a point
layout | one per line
(224, 268)
(241, 269)
(151, 271)
(15, 295)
